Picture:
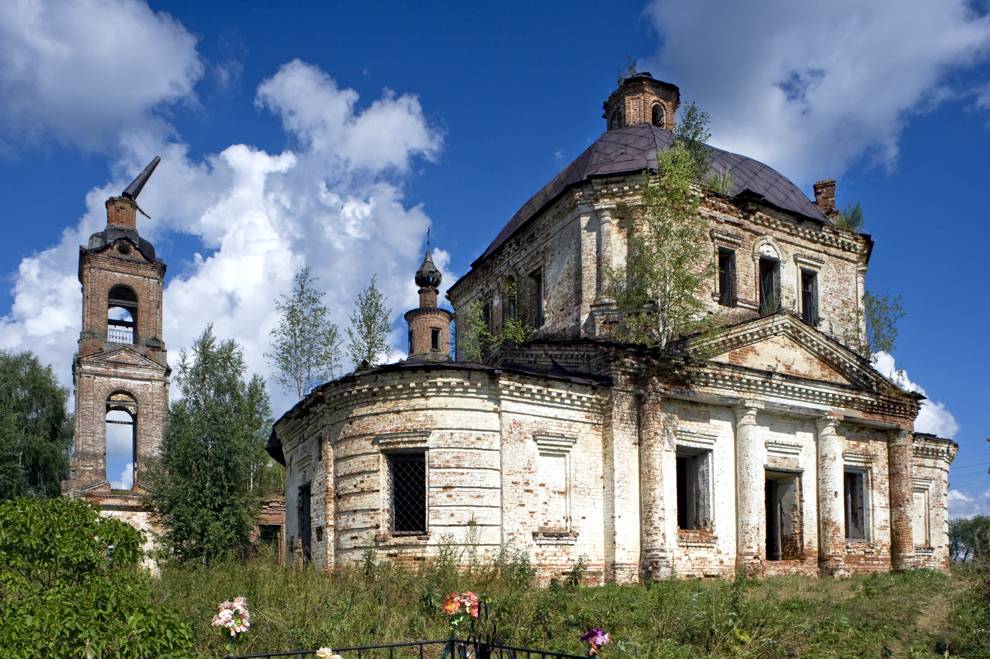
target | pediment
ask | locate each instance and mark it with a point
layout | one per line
(123, 356)
(785, 345)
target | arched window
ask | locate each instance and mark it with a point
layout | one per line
(658, 116)
(615, 119)
(121, 441)
(121, 315)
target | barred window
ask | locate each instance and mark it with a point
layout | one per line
(726, 277)
(407, 492)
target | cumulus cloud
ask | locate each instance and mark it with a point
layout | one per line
(333, 200)
(811, 87)
(964, 505)
(934, 417)
(82, 71)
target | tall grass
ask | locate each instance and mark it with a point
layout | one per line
(291, 608)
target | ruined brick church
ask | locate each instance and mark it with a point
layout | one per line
(786, 453)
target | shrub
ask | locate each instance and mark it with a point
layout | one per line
(71, 585)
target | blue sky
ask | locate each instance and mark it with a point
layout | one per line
(337, 134)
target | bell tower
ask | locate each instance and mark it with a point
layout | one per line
(641, 99)
(120, 372)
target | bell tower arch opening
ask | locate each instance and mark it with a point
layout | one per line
(122, 310)
(121, 441)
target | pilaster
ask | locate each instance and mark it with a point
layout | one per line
(656, 558)
(899, 458)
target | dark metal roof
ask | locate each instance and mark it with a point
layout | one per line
(112, 234)
(634, 149)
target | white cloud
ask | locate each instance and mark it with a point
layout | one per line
(810, 87)
(934, 417)
(126, 478)
(964, 505)
(334, 202)
(83, 71)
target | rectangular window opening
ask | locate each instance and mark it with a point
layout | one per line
(553, 481)
(693, 490)
(434, 339)
(769, 285)
(536, 280)
(726, 277)
(783, 514)
(305, 519)
(855, 495)
(407, 492)
(809, 297)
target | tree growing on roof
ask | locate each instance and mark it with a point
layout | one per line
(658, 294)
(306, 346)
(368, 333)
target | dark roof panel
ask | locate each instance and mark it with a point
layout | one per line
(634, 148)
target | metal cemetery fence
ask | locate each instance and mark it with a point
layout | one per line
(445, 649)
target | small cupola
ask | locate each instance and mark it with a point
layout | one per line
(641, 99)
(122, 211)
(429, 325)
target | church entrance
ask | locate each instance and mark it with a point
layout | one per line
(783, 513)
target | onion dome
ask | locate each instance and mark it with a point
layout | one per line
(428, 275)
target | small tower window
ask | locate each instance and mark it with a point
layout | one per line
(658, 115)
(615, 119)
(121, 315)
(121, 441)
(435, 339)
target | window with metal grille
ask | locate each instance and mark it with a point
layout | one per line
(726, 277)
(407, 492)
(809, 297)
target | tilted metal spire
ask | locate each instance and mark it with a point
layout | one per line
(134, 189)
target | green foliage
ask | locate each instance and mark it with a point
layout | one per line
(35, 431)
(474, 339)
(969, 539)
(720, 182)
(71, 586)
(851, 219)
(213, 470)
(692, 134)
(882, 313)
(868, 616)
(515, 332)
(669, 261)
(368, 333)
(305, 344)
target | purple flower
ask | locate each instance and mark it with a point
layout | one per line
(596, 638)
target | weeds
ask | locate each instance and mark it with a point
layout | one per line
(378, 601)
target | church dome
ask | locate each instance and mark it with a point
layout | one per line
(428, 275)
(634, 149)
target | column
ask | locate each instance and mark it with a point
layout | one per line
(899, 462)
(656, 559)
(751, 458)
(622, 503)
(831, 514)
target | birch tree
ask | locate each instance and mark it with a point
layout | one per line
(660, 291)
(306, 346)
(368, 333)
